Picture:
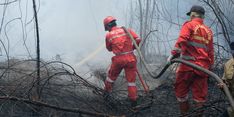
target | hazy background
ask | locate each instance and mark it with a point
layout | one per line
(73, 29)
(69, 28)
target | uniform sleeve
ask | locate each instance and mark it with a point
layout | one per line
(135, 36)
(108, 43)
(183, 38)
(211, 52)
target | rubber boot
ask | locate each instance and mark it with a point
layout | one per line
(184, 108)
(200, 110)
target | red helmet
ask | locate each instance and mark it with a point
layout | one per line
(108, 19)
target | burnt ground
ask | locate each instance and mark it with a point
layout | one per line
(73, 96)
(161, 102)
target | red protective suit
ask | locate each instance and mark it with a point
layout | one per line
(195, 44)
(121, 45)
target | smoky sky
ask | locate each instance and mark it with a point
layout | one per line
(70, 28)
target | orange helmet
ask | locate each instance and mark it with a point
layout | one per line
(108, 20)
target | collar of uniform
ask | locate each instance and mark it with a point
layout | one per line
(200, 20)
(113, 28)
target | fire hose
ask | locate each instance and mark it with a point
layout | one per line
(211, 74)
(139, 53)
(146, 88)
(178, 60)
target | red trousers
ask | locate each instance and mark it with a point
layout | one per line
(128, 63)
(187, 80)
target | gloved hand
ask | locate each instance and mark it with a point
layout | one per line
(172, 57)
(169, 59)
(221, 85)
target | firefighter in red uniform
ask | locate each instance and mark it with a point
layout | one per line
(121, 45)
(195, 44)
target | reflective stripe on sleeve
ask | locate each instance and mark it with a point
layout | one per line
(109, 80)
(187, 57)
(201, 39)
(117, 36)
(122, 53)
(138, 38)
(178, 50)
(131, 84)
(197, 45)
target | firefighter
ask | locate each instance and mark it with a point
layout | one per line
(194, 44)
(121, 45)
(228, 78)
